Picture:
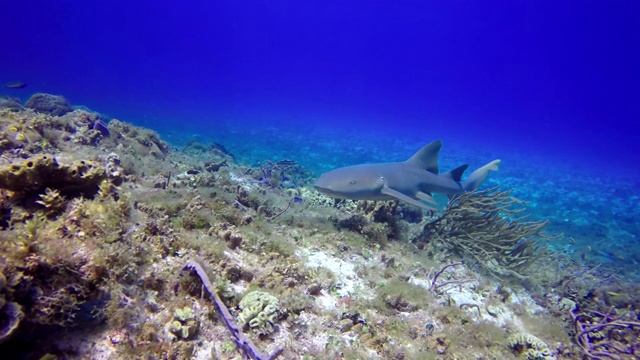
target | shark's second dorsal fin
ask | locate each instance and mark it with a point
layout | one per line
(427, 157)
(456, 174)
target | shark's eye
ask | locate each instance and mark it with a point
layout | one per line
(352, 182)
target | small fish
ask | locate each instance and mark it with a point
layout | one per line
(613, 293)
(16, 85)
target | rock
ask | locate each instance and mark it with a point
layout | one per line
(314, 289)
(55, 105)
(345, 325)
(10, 103)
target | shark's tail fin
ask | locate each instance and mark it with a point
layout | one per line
(477, 177)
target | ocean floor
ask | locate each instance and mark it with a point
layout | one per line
(103, 223)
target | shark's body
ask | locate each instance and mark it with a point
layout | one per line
(412, 181)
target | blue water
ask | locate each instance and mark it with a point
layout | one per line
(550, 87)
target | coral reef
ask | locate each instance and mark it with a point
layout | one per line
(99, 215)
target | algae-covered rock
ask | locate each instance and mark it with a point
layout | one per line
(139, 140)
(55, 105)
(10, 103)
(43, 171)
(259, 312)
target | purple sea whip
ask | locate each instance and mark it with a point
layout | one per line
(606, 336)
(244, 345)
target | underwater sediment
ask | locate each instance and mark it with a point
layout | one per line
(109, 233)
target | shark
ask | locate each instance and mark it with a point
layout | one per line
(413, 181)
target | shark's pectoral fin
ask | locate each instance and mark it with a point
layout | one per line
(426, 197)
(402, 197)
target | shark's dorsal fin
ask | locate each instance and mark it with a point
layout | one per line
(427, 157)
(456, 174)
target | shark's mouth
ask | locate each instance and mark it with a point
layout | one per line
(327, 191)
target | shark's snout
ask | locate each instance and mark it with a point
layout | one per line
(327, 185)
(322, 185)
(349, 183)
